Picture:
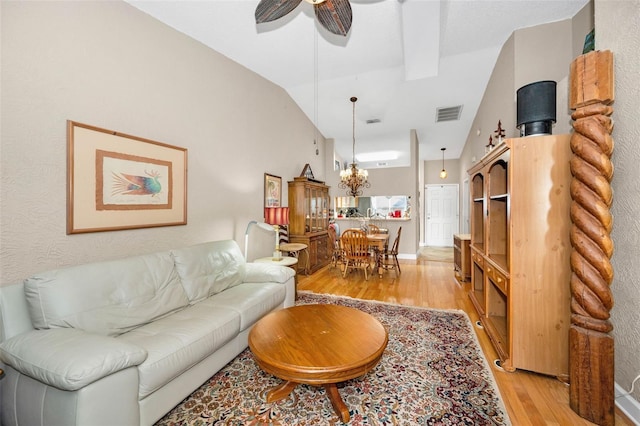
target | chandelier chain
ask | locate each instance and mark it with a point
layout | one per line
(353, 123)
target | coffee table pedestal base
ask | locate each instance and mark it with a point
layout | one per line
(283, 390)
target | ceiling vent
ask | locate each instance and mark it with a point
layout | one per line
(448, 113)
(373, 121)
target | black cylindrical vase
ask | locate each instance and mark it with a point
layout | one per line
(536, 111)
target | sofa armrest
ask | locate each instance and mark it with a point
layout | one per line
(67, 358)
(267, 273)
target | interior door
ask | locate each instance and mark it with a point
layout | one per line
(442, 214)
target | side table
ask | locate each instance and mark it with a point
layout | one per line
(462, 256)
(294, 249)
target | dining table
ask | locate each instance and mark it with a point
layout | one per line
(378, 242)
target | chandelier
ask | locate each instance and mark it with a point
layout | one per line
(354, 179)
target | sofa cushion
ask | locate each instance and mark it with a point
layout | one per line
(251, 300)
(209, 268)
(268, 273)
(67, 358)
(106, 298)
(176, 343)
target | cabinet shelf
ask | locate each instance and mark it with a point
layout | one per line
(520, 248)
(500, 260)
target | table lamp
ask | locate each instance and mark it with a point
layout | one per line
(276, 216)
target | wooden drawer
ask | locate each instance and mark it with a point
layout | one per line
(477, 258)
(497, 277)
(489, 270)
(456, 242)
(501, 281)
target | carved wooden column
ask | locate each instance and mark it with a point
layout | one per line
(591, 343)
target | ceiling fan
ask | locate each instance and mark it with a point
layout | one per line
(334, 15)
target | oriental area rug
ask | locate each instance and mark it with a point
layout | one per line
(432, 372)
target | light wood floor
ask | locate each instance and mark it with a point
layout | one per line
(530, 398)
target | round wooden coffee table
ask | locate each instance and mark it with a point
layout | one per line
(317, 345)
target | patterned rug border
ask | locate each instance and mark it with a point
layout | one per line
(427, 378)
(487, 365)
(379, 302)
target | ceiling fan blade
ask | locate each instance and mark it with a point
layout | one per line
(270, 10)
(335, 16)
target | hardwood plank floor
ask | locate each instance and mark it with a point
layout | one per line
(530, 398)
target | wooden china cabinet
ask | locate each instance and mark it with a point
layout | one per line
(520, 251)
(309, 219)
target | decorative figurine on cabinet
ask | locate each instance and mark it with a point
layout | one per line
(489, 146)
(499, 133)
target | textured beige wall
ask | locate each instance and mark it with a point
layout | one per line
(543, 52)
(617, 30)
(112, 66)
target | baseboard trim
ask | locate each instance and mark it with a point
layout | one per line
(407, 256)
(629, 406)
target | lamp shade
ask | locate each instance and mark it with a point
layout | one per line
(276, 215)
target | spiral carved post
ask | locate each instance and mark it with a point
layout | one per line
(591, 343)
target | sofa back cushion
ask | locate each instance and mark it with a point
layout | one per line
(209, 268)
(107, 298)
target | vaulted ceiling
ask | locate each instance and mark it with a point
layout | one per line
(403, 59)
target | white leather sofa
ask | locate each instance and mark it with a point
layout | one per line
(122, 342)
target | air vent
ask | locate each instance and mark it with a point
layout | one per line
(373, 121)
(382, 164)
(448, 113)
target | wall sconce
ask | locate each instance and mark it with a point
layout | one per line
(443, 173)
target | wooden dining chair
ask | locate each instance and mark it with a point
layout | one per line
(356, 251)
(373, 229)
(389, 258)
(337, 254)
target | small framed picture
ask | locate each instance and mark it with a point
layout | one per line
(272, 190)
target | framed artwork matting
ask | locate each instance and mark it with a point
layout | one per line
(117, 181)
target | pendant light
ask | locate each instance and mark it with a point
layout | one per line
(354, 179)
(443, 173)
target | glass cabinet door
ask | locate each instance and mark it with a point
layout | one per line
(316, 208)
(307, 209)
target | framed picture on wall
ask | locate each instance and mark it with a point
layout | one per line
(117, 181)
(272, 190)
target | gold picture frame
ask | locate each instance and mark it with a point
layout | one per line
(272, 190)
(117, 181)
